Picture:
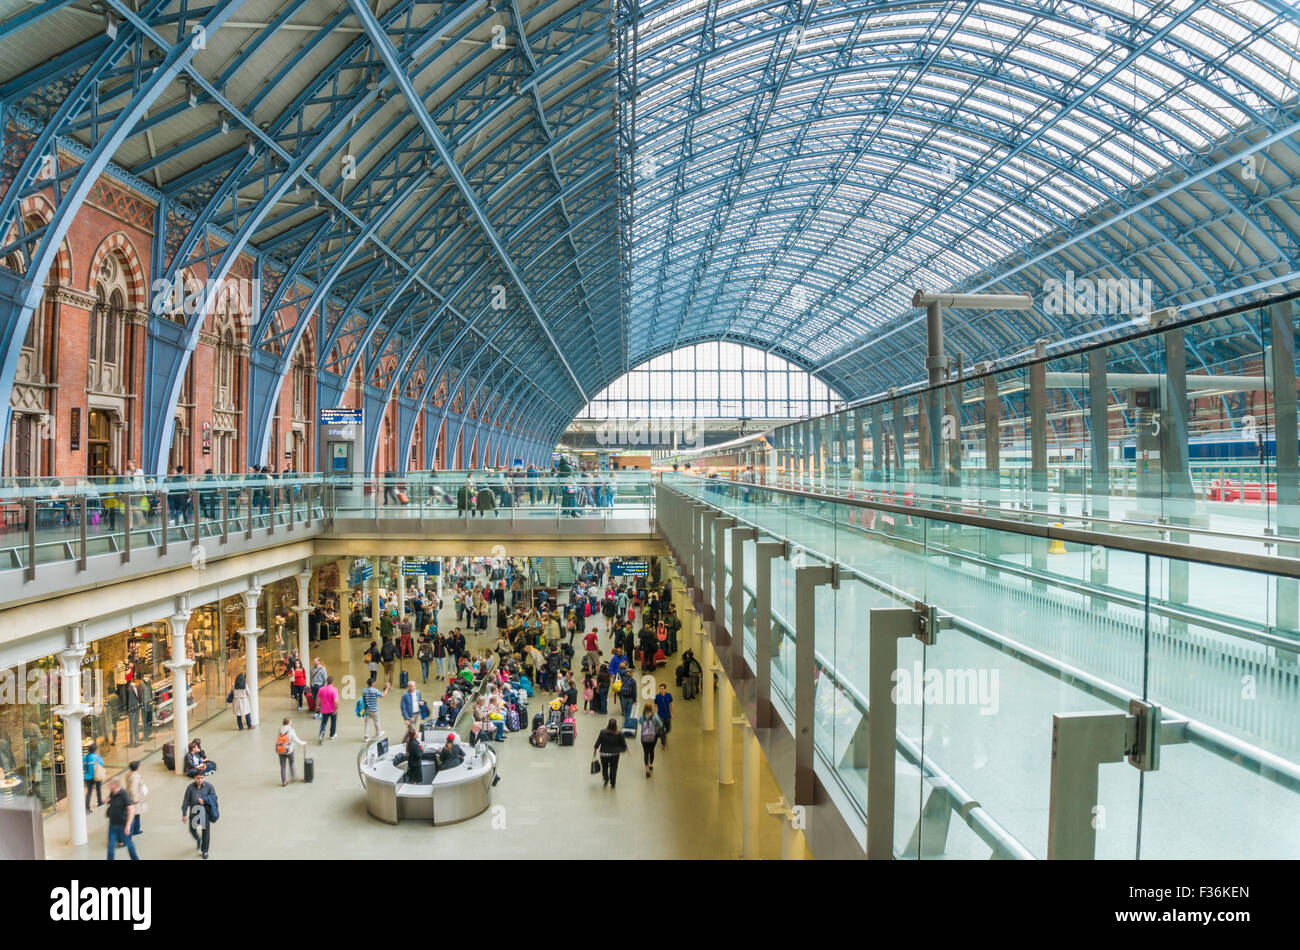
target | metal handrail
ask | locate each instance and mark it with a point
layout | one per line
(1237, 560)
(1281, 771)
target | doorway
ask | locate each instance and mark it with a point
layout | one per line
(99, 442)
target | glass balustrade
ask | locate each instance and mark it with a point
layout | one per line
(1035, 628)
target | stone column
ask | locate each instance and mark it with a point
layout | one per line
(707, 701)
(726, 733)
(750, 768)
(304, 608)
(71, 711)
(401, 590)
(251, 632)
(180, 666)
(344, 592)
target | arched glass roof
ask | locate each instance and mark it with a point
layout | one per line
(503, 206)
(713, 381)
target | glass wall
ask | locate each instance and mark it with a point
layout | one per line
(1192, 428)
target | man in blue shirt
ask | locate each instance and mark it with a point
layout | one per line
(370, 697)
(664, 707)
(616, 662)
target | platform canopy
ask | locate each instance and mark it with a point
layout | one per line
(508, 205)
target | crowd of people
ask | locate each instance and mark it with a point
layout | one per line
(536, 646)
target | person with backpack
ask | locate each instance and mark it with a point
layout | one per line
(93, 764)
(370, 697)
(388, 653)
(372, 660)
(199, 811)
(439, 644)
(610, 744)
(627, 693)
(425, 655)
(652, 727)
(603, 681)
(284, 748)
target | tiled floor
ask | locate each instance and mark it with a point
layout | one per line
(550, 805)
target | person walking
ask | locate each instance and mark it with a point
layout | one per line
(372, 660)
(120, 814)
(627, 693)
(285, 747)
(388, 653)
(651, 728)
(664, 707)
(327, 704)
(299, 681)
(370, 697)
(93, 765)
(137, 791)
(319, 676)
(412, 705)
(241, 705)
(425, 655)
(610, 744)
(199, 811)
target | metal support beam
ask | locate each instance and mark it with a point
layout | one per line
(806, 582)
(765, 642)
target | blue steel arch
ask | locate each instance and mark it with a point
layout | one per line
(801, 187)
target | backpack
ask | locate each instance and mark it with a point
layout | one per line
(283, 744)
(648, 732)
(662, 633)
(361, 708)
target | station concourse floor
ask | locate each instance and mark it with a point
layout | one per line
(552, 806)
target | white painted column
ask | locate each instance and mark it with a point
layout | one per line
(304, 608)
(344, 594)
(71, 712)
(751, 760)
(401, 591)
(180, 665)
(251, 632)
(707, 701)
(726, 733)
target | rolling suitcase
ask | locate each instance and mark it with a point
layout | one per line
(404, 678)
(311, 700)
(568, 732)
(630, 726)
(538, 720)
(169, 756)
(308, 769)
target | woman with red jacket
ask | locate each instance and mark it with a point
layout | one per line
(299, 681)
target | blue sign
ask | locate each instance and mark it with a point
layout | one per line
(362, 570)
(413, 568)
(341, 416)
(629, 569)
(519, 463)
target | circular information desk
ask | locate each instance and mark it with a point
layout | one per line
(447, 796)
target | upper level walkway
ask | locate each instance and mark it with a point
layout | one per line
(986, 640)
(59, 538)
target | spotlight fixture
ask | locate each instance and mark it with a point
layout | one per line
(225, 123)
(251, 146)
